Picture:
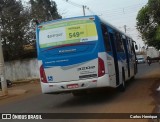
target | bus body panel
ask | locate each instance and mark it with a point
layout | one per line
(71, 61)
(69, 51)
(74, 72)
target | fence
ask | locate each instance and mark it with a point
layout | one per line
(21, 69)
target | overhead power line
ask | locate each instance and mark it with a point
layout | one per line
(125, 7)
(84, 7)
(123, 11)
(72, 3)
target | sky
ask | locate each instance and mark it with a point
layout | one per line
(116, 12)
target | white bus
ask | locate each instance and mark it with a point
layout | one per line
(82, 53)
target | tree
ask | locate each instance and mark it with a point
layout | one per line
(44, 10)
(15, 21)
(148, 23)
(13, 24)
(41, 10)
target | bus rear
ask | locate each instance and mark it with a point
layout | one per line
(68, 55)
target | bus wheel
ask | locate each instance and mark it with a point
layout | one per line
(122, 86)
(132, 78)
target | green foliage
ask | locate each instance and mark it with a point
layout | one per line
(154, 10)
(157, 35)
(41, 10)
(148, 23)
(15, 21)
(44, 10)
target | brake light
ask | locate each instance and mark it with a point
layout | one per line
(101, 68)
(43, 75)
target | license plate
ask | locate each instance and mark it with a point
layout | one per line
(72, 86)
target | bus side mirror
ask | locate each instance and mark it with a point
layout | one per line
(136, 47)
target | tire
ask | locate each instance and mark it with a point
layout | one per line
(132, 78)
(122, 86)
(135, 68)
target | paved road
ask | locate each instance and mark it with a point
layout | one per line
(138, 97)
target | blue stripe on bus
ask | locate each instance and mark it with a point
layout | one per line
(54, 58)
(63, 47)
(68, 60)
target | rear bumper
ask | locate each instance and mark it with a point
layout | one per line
(61, 87)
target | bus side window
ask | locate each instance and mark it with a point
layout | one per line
(119, 43)
(133, 49)
(106, 38)
(128, 45)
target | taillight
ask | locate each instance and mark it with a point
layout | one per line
(43, 75)
(101, 68)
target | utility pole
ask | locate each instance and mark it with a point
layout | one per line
(84, 10)
(78, 5)
(2, 71)
(125, 28)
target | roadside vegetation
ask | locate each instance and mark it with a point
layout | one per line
(18, 36)
(148, 23)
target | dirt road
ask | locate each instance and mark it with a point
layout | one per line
(139, 97)
(31, 88)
